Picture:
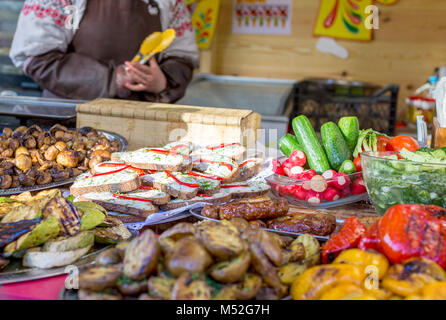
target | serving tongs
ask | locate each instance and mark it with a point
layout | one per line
(155, 43)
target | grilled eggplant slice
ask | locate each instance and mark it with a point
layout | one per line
(112, 235)
(33, 208)
(220, 240)
(67, 214)
(11, 231)
(61, 244)
(99, 278)
(161, 287)
(91, 295)
(186, 288)
(141, 256)
(108, 257)
(231, 270)
(7, 205)
(47, 260)
(44, 231)
(188, 255)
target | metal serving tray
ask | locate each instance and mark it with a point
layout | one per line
(123, 146)
(197, 214)
(17, 273)
(42, 108)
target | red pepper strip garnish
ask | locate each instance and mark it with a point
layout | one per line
(204, 195)
(112, 164)
(146, 188)
(246, 162)
(180, 146)
(194, 174)
(118, 196)
(227, 165)
(348, 237)
(171, 152)
(190, 185)
(235, 186)
(107, 173)
(223, 146)
(152, 171)
(159, 151)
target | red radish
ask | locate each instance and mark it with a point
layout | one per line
(331, 194)
(300, 193)
(344, 192)
(306, 185)
(358, 186)
(329, 174)
(341, 181)
(287, 165)
(307, 175)
(287, 190)
(277, 167)
(318, 183)
(298, 158)
(295, 172)
(314, 197)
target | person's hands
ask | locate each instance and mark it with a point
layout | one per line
(122, 77)
(147, 78)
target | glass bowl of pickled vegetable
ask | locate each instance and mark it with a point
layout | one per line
(391, 180)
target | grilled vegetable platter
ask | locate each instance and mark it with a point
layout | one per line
(402, 256)
(32, 158)
(226, 260)
(46, 231)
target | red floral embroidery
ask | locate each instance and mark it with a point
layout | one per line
(52, 9)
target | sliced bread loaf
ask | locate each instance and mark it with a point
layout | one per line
(231, 150)
(177, 184)
(118, 181)
(217, 198)
(239, 190)
(215, 165)
(123, 203)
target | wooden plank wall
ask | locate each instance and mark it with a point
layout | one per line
(410, 43)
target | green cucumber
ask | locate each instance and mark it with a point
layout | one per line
(347, 167)
(312, 147)
(349, 127)
(288, 143)
(335, 146)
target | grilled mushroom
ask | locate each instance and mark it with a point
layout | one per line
(5, 181)
(67, 158)
(23, 162)
(7, 133)
(21, 150)
(51, 153)
(44, 178)
(59, 174)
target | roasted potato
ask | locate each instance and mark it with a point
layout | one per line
(168, 238)
(268, 293)
(312, 248)
(240, 223)
(291, 271)
(141, 256)
(130, 287)
(249, 286)
(231, 270)
(227, 292)
(262, 265)
(295, 252)
(161, 287)
(99, 278)
(220, 240)
(107, 257)
(269, 243)
(121, 247)
(188, 255)
(84, 294)
(113, 234)
(188, 288)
